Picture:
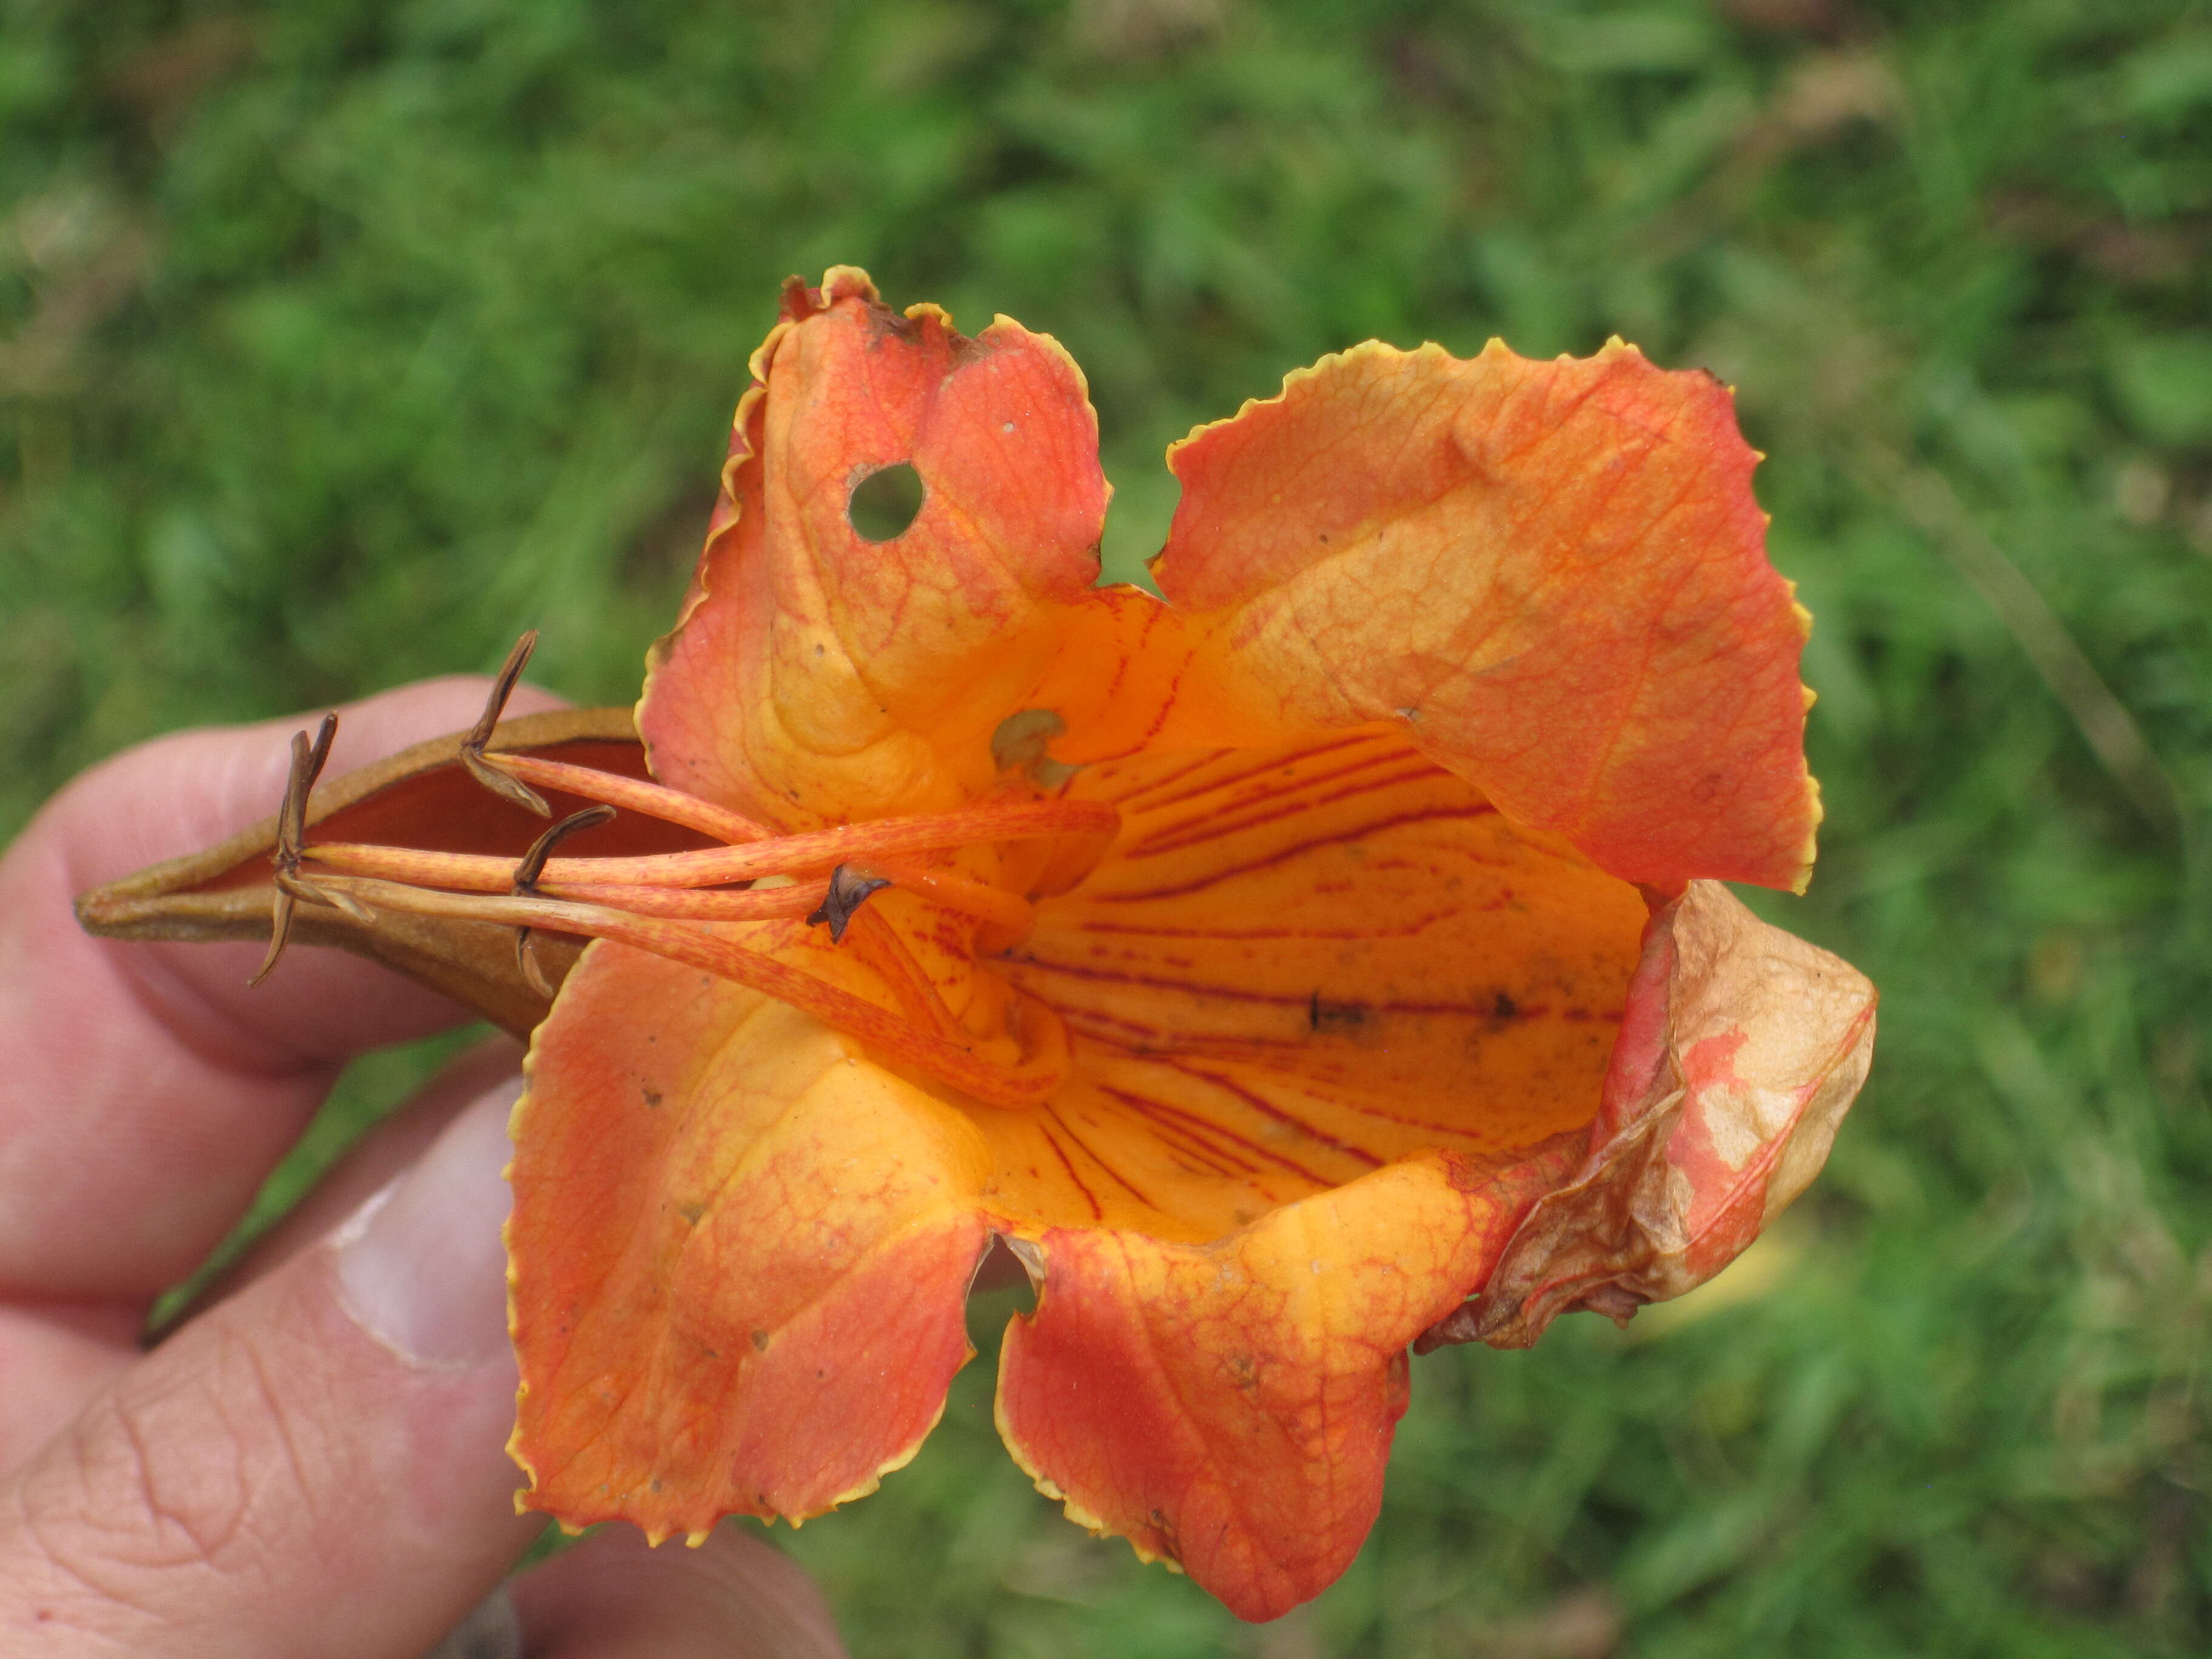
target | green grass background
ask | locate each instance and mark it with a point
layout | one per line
(343, 341)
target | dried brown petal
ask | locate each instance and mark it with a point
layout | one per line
(1741, 1047)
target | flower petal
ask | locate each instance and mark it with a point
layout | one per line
(1230, 1407)
(1554, 573)
(1742, 1048)
(815, 676)
(740, 1255)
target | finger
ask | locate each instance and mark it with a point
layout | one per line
(611, 1597)
(379, 1155)
(146, 1091)
(314, 1466)
(55, 1356)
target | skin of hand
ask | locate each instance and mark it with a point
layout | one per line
(313, 1461)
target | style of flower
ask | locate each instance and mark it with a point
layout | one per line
(1325, 960)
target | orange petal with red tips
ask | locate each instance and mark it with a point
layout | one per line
(815, 676)
(740, 1255)
(1230, 1407)
(1741, 1049)
(1552, 572)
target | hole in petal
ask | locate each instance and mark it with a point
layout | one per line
(885, 502)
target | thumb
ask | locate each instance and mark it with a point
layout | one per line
(317, 1465)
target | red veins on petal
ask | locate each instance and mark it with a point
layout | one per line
(1229, 1406)
(1554, 573)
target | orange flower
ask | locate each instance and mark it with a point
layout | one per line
(1326, 960)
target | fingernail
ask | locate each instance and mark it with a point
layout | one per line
(421, 1266)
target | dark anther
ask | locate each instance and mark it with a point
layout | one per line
(532, 867)
(472, 746)
(849, 889)
(308, 759)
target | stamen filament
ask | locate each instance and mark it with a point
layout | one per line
(724, 959)
(716, 866)
(654, 800)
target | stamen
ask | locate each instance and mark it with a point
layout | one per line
(526, 886)
(654, 800)
(533, 861)
(849, 889)
(1006, 911)
(1027, 1084)
(1040, 1036)
(716, 866)
(308, 760)
(472, 746)
(1002, 909)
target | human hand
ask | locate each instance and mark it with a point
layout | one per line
(313, 1462)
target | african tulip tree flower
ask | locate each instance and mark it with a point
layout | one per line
(1325, 959)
